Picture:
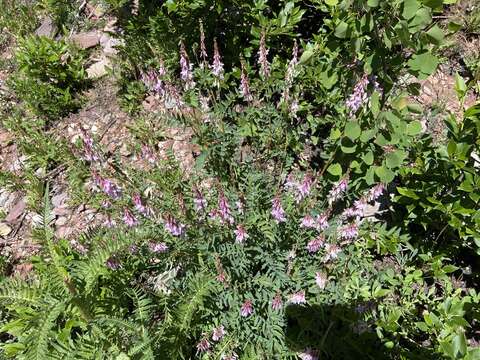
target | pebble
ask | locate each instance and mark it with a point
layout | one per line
(61, 221)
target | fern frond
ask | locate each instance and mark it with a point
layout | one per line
(19, 292)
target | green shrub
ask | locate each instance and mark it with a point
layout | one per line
(50, 76)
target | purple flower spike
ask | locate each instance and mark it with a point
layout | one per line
(247, 308)
(158, 247)
(337, 191)
(308, 222)
(298, 298)
(173, 226)
(218, 333)
(277, 210)
(315, 245)
(241, 234)
(203, 346)
(129, 219)
(277, 302)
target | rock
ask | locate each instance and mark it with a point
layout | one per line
(16, 211)
(61, 211)
(63, 232)
(47, 28)
(59, 200)
(86, 40)
(61, 221)
(5, 230)
(109, 44)
(98, 69)
(4, 195)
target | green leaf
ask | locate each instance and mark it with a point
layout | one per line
(395, 159)
(460, 86)
(341, 30)
(335, 169)
(368, 158)
(414, 128)
(410, 8)
(331, 2)
(373, 3)
(433, 3)
(459, 345)
(436, 35)
(385, 174)
(352, 130)
(425, 63)
(375, 103)
(306, 56)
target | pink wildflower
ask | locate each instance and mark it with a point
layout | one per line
(308, 354)
(109, 222)
(338, 190)
(129, 219)
(247, 308)
(353, 212)
(89, 149)
(186, 68)
(291, 183)
(304, 188)
(349, 232)
(245, 85)
(262, 57)
(321, 279)
(290, 73)
(297, 298)
(331, 252)
(359, 96)
(217, 66)
(148, 154)
(308, 222)
(277, 210)
(375, 192)
(199, 201)
(173, 226)
(240, 207)
(316, 244)
(203, 345)
(203, 50)
(277, 302)
(158, 247)
(111, 189)
(231, 356)
(225, 213)
(218, 333)
(112, 263)
(322, 221)
(241, 234)
(141, 208)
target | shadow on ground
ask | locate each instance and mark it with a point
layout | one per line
(336, 332)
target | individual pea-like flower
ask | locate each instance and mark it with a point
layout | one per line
(240, 207)
(148, 155)
(240, 234)
(109, 223)
(245, 84)
(308, 354)
(247, 308)
(133, 249)
(277, 210)
(322, 221)
(316, 244)
(337, 190)
(186, 68)
(158, 247)
(129, 219)
(349, 231)
(297, 298)
(262, 57)
(321, 279)
(112, 263)
(331, 252)
(277, 302)
(173, 226)
(203, 345)
(375, 192)
(308, 222)
(218, 333)
(352, 212)
(217, 65)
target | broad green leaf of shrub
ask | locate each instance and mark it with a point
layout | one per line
(410, 8)
(385, 174)
(352, 130)
(425, 63)
(335, 169)
(414, 128)
(436, 35)
(341, 30)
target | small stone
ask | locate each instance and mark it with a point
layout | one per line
(61, 211)
(63, 232)
(47, 28)
(86, 40)
(5, 230)
(98, 69)
(61, 221)
(16, 211)
(59, 199)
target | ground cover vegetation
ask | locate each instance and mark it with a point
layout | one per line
(278, 190)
